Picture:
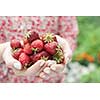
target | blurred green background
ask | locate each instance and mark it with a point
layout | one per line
(88, 50)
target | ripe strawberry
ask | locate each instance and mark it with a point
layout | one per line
(48, 37)
(42, 55)
(17, 52)
(27, 49)
(51, 47)
(25, 41)
(59, 55)
(24, 59)
(31, 36)
(15, 44)
(37, 45)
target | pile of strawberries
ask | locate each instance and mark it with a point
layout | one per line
(37, 47)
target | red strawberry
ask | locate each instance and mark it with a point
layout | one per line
(28, 49)
(15, 44)
(31, 36)
(17, 52)
(24, 59)
(42, 55)
(37, 45)
(51, 47)
(48, 37)
(25, 41)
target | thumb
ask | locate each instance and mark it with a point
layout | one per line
(9, 60)
(66, 48)
(34, 69)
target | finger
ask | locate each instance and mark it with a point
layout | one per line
(9, 60)
(42, 68)
(66, 48)
(57, 67)
(44, 76)
(47, 70)
(50, 62)
(67, 55)
(50, 72)
(47, 64)
(35, 68)
(61, 41)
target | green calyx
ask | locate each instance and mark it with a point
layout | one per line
(27, 34)
(58, 56)
(44, 58)
(48, 38)
(14, 50)
(34, 50)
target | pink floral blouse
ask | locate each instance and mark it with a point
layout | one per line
(15, 27)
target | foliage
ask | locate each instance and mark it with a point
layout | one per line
(89, 36)
(92, 77)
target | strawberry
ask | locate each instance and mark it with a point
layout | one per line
(59, 55)
(15, 44)
(37, 45)
(31, 36)
(48, 37)
(24, 59)
(51, 47)
(42, 55)
(27, 49)
(17, 52)
(25, 41)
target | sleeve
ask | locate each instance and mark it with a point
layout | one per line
(68, 29)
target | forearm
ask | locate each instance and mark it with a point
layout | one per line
(2, 48)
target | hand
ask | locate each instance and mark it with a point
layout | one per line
(55, 72)
(16, 65)
(50, 74)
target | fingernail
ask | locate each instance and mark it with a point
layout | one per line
(42, 75)
(42, 63)
(17, 66)
(53, 68)
(47, 70)
(51, 63)
(45, 77)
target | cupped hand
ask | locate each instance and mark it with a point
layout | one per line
(16, 65)
(55, 72)
(48, 70)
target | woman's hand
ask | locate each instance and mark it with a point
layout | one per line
(51, 72)
(16, 65)
(47, 71)
(55, 72)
